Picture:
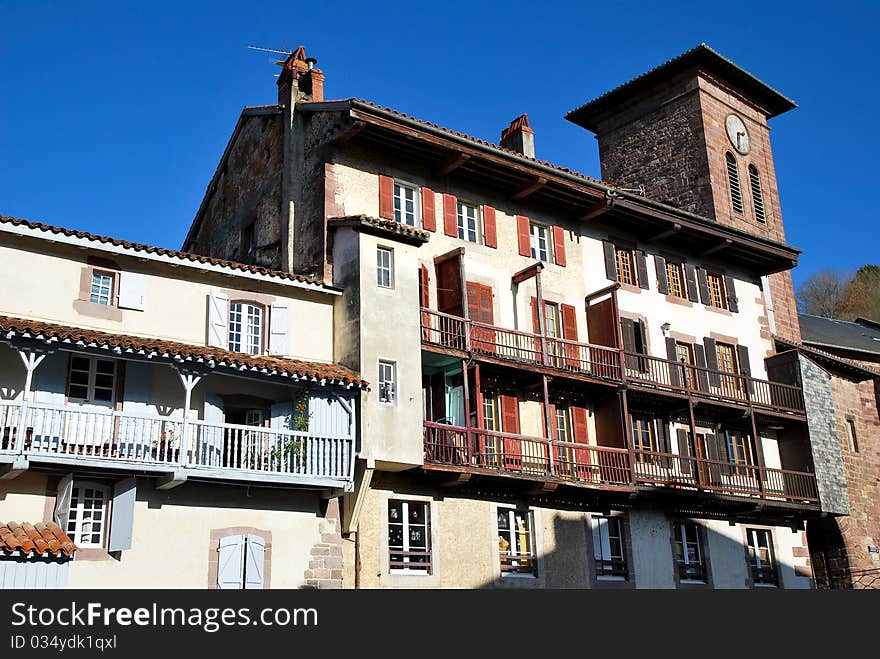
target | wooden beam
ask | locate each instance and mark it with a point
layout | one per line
(348, 132)
(536, 184)
(527, 273)
(665, 234)
(600, 207)
(724, 244)
(456, 479)
(452, 162)
(544, 488)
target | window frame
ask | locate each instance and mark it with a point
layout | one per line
(758, 572)
(261, 335)
(417, 202)
(637, 434)
(91, 383)
(715, 280)
(425, 568)
(619, 572)
(680, 552)
(460, 221)
(76, 517)
(627, 265)
(380, 267)
(548, 240)
(677, 267)
(380, 382)
(518, 567)
(112, 292)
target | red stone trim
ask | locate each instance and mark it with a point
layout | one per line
(325, 560)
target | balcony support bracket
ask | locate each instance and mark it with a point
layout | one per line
(13, 466)
(171, 480)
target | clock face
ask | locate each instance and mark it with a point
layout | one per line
(737, 134)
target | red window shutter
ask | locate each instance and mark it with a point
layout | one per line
(486, 311)
(386, 197)
(536, 322)
(522, 235)
(569, 322)
(559, 245)
(450, 215)
(424, 290)
(579, 424)
(429, 214)
(473, 301)
(552, 420)
(509, 414)
(489, 236)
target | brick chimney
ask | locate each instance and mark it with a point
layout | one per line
(519, 136)
(300, 81)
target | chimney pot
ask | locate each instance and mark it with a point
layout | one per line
(519, 136)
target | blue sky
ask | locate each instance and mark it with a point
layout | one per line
(114, 115)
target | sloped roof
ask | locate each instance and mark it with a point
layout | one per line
(35, 539)
(860, 336)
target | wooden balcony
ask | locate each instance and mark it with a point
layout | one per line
(89, 438)
(680, 471)
(663, 374)
(451, 333)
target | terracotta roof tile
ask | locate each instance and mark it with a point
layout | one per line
(151, 249)
(176, 351)
(35, 539)
(383, 225)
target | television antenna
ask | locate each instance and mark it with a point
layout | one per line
(278, 51)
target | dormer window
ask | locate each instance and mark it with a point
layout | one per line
(246, 328)
(736, 198)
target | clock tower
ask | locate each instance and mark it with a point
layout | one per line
(693, 133)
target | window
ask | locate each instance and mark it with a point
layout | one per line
(491, 421)
(468, 222)
(101, 291)
(387, 382)
(563, 425)
(634, 344)
(408, 537)
(385, 267)
(565, 455)
(643, 437)
(551, 320)
(245, 328)
(757, 197)
(539, 236)
(739, 450)
(675, 274)
(242, 562)
(688, 551)
(626, 272)
(716, 290)
(406, 204)
(851, 432)
(736, 198)
(87, 521)
(684, 354)
(609, 549)
(91, 380)
(247, 241)
(515, 543)
(762, 562)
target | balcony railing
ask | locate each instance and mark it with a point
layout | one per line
(707, 383)
(454, 333)
(69, 433)
(528, 456)
(723, 477)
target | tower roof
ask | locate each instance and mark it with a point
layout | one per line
(702, 57)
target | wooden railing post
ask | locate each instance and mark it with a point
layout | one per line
(759, 453)
(467, 412)
(627, 434)
(548, 426)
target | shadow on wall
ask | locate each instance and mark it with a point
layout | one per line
(650, 562)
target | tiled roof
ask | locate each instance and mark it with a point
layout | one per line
(150, 249)
(520, 123)
(384, 226)
(829, 357)
(182, 352)
(35, 539)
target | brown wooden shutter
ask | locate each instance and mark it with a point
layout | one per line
(489, 230)
(674, 369)
(450, 215)
(536, 323)
(424, 288)
(662, 275)
(712, 361)
(386, 197)
(690, 275)
(552, 426)
(700, 359)
(429, 212)
(569, 322)
(745, 367)
(610, 260)
(705, 298)
(522, 235)
(509, 414)
(684, 449)
(628, 328)
(730, 294)
(641, 268)
(559, 245)
(579, 424)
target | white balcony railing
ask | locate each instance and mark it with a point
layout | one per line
(68, 432)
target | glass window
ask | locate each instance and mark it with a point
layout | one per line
(101, 291)
(515, 542)
(626, 272)
(406, 204)
(609, 547)
(385, 267)
(387, 382)
(91, 380)
(245, 328)
(688, 551)
(684, 354)
(762, 562)
(539, 236)
(716, 290)
(409, 544)
(468, 222)
(87, 521)
(643, 436)
(676, 279)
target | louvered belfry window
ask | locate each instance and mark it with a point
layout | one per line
(757, 197)
(736, 198)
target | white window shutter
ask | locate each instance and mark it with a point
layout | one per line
(122, 514)
(256, 554)
(279, 329)
(132, 291)
(62, 501)
(218, 320)
(230, 563)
